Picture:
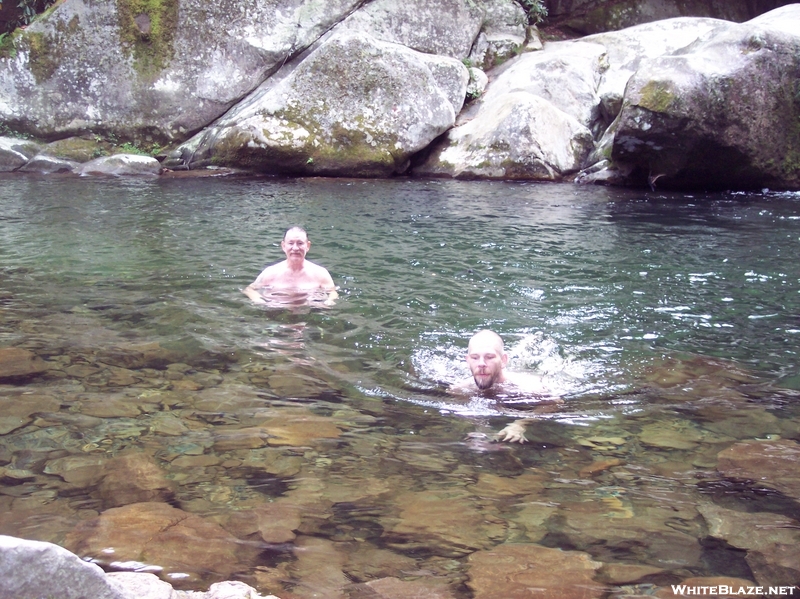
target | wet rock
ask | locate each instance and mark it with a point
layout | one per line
(17, 362)
(142, 585)
(15, 152)
(772, 541)
(240, 438)
(120, 165)
(163, 537)
(165, 423)
(772, 463)
(619, 574)
(37, 569)
(47, 165)
(491, 485)
(672, 434)
(394, 588)
(18, 409)
(365, 561)
(78, 470)
(109, 406)
(231, 589)
(447, 523)
(274, 522)
(300, 429)
(512, 570)
(133, 478)
(319, 565)
(531, 517)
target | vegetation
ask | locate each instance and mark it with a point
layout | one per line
(147, 29)
(535, 9)
(24, 14)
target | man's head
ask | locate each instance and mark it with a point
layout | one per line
(486, 359)
(295, 243)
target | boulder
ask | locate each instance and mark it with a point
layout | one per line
(121, 164)
(594, 16)
(14, 152)
(17, 362)
(533, 121)
(722, 114)
(151, 72)
(354, 106)
(36, 569)
(47, 165)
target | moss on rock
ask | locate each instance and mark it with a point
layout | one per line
(656, 97)
(147, 29)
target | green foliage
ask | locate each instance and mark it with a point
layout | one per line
(131, 148)
(535, 10)
(26, 11)
(6, 131)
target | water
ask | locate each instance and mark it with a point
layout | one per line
(668, 323)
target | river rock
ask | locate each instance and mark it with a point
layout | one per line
(18, 362)
(154, 73)
(47, 165)
(17, 410)
(133, 478)
(447, 522)
(721, 114)
(394, 588)
(37, 569)
(354, 106)
(772, 463)
(771, 541)
(513, 570)
(161, 537)
(15, 152)
(121, 164)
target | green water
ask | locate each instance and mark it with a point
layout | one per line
(647, 312)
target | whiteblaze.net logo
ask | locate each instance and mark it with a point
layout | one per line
(731, 591)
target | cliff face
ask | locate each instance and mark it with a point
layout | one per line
(378, 88)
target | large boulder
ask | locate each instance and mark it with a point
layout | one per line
(36, 569)
(153, 71)
(353, 106)
(594, 16)
(721, 114)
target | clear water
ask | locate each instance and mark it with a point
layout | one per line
(641, 309)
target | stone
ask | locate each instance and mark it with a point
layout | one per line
(300, 429)
(19, 409)
(275, 522)
(720, 115)
(671, 434)
(38, 569)
(522, 571)
(163, 538)
(234, 589)
(17, 362)
(14, 153)
(120, 165)
(133, 478)
(448, 521)
(48, 165)
(142, 585)
(619, 573)
(79, 470)
(320, 565)
(390, 102)
(106, 69)
(771, 541)
(394, 588)
(771, 463)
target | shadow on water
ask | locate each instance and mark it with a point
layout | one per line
(317, 452)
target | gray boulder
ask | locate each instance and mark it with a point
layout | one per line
(15, 153)
(721, 114)
(36, 569)
(47, 165)
(352, 106)
(152, 74)
(121, 164)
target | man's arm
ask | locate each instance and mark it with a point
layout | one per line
(254, 295)
(327, 284)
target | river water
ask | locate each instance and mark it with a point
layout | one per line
(317, 449)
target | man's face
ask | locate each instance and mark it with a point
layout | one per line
(486, 362)
(295, 245)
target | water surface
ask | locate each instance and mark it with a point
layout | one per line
(323, 441)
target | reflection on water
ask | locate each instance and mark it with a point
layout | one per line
(315, 451)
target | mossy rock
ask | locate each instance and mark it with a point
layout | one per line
(79, 149)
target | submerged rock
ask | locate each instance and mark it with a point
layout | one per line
(772, 463)
(17, 362)
(512, 570)
(17, 410)
(133, 478)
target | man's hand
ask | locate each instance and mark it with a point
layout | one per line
(513, 433)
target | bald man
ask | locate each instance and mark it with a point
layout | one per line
(487, 361)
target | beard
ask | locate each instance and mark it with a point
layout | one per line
(484, 383)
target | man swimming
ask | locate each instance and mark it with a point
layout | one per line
(293, 274)
(487, 361)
